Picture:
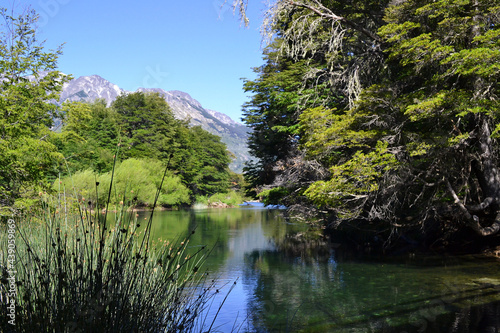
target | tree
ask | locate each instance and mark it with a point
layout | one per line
(148, 123)
(142, 125)
(89, 136)
(271, 115)
(316, 59)
(202, 161)
(410, 141)
(339, 35)
(451, 51)
(213, 174)
(280, 95)
(29, 82)
(423, 153)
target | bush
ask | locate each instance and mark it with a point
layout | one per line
(231, 198)
(135, 180)
(274, 196)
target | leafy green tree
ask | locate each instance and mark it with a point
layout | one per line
(104, 136)
(323, 53)
(271, 114)
(409, 138)
(447, 55)
(202, 161)
(89, 136)
(148, 122)
(139, 179)
(199, 157)
(433, 113)
(280, 95)
(143, 127)
(136, 182)
(29, 82)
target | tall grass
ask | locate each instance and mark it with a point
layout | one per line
(81, 273)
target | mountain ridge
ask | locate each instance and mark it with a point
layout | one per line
(232, 133)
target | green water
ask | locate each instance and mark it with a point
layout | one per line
(285, 290)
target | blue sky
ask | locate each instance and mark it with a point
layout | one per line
(187, 45)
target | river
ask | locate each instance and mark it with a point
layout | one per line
(294, 288)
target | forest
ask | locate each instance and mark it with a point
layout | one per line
(141, 129)
(380, 118)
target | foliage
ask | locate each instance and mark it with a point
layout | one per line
(202, 161)
(147, 122)
(314, 63)
(135, 183)
(326, 133)
(443, 57)
(279, 96)
(231, 199)
(353, 181)
(142, 125)
(29, 83)
(274, 196)
(408, 132)
(89, 136)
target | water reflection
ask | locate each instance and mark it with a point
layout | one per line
(375, 296)
(284, 284)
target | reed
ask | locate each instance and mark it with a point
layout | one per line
(79, 272)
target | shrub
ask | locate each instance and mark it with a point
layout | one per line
(135, 180)
(231, 198)
(274, 196)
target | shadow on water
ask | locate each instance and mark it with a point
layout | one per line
(432, 314)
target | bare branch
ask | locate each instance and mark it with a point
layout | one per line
(326, 13)
(482, 206)
(473, 220)
(491, 230)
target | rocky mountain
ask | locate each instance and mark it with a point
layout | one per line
(232, 133)
(90, 88)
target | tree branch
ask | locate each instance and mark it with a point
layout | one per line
(491, 230)
(482, 206)
(473, 220)
(324, 12)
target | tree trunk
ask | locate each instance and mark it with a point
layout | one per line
(485, 167)
(487, 174)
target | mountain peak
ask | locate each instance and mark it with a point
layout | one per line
(90, 88)
(180, 94)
